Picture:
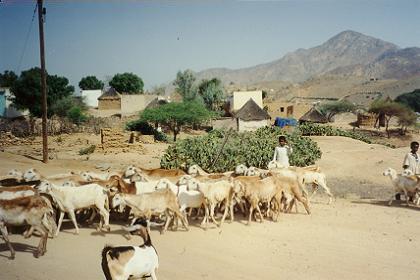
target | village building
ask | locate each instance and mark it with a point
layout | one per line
(6, 108)
(90, 97)
(244, 112)
(313, 116)
(112, 102)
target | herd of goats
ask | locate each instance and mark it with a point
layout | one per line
(159, 197)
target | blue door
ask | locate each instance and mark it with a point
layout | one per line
(2, 103)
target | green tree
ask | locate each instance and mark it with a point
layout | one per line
(7, 78)
(184, 85)
(333, 108)
(176, 115)
(212, 93)
(410, 99)
(27, 91)
(127, 83)
(389, 109)
(406, 118)
(90, 82)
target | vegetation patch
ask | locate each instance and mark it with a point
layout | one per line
(221, 150)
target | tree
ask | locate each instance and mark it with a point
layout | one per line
(90, 82)
(27, 91)
(389, 109)
(176, 115)
(212, 93)
(7, 78)
(410, 99)
(406, 118)
(184, 85)
(158, 90)
(127, 83)
(333, 108)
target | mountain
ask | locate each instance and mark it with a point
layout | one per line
(347, 53)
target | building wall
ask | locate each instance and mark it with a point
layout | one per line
(241, 97)
(225, 123)
(290, 109)
(6, 108)
(90, 97)
(135, 102)
(109, 104)
(251, 125)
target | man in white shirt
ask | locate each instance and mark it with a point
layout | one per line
(412, 159)
(411, 162)
(282, 152)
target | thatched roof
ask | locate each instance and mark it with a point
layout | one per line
(313, 115)
(156, 103)
(111, 93)
(251, 112)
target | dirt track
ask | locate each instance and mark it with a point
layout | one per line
(353, 238)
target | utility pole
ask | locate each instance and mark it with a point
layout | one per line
(41, 13)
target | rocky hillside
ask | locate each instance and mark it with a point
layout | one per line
(347, 53)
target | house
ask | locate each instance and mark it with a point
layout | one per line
(251, 116)
(6, 108)
(239, 98)
(90, 97)
(314, 116)
(244, 112)
(112, 102)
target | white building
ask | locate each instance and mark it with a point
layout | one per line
(90, 97)
(6, 108)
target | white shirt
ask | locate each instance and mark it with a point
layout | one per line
(281, 155)
(412, 162)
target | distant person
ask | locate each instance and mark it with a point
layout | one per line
(282, 152)
(412, 159)
(411, 162)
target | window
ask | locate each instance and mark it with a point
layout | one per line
(281, 109)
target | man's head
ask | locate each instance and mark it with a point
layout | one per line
(282, 140)
(414, 146)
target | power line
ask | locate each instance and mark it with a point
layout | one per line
(26, 40)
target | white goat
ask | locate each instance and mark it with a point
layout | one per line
(186, 198)
(409, 185)
(125, 262)
(71, 199)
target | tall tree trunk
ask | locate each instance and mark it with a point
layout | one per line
(386, 126)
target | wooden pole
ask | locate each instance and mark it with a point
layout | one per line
(43, 83)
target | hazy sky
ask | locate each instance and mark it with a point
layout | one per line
(155, 39)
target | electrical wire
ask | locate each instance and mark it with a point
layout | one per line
(26, 40)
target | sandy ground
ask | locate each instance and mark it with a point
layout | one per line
(357, 237)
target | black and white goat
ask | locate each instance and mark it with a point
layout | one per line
(124, 262)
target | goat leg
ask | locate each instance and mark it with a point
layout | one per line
(5, 234)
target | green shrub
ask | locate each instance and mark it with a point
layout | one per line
(88, 150)
(76, 115)
(160, 136)
(250, 148)
(311, 129)
(144, 127)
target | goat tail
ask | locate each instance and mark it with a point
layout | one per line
(104, 263)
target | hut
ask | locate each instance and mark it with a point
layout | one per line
(109, 100)
(314, 116)
(251, 116)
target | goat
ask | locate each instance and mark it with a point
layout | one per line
(70, 199)
(316, 179)
(124, 262)
(197, 172)
(30, 210)
(409, 185)
(158, 202)
(186, 199)
(215, 192)
(158, 172)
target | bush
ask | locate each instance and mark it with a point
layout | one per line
(144, 127)
(311, 129)
(250, 148)
(88, 150)
(76, 115)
